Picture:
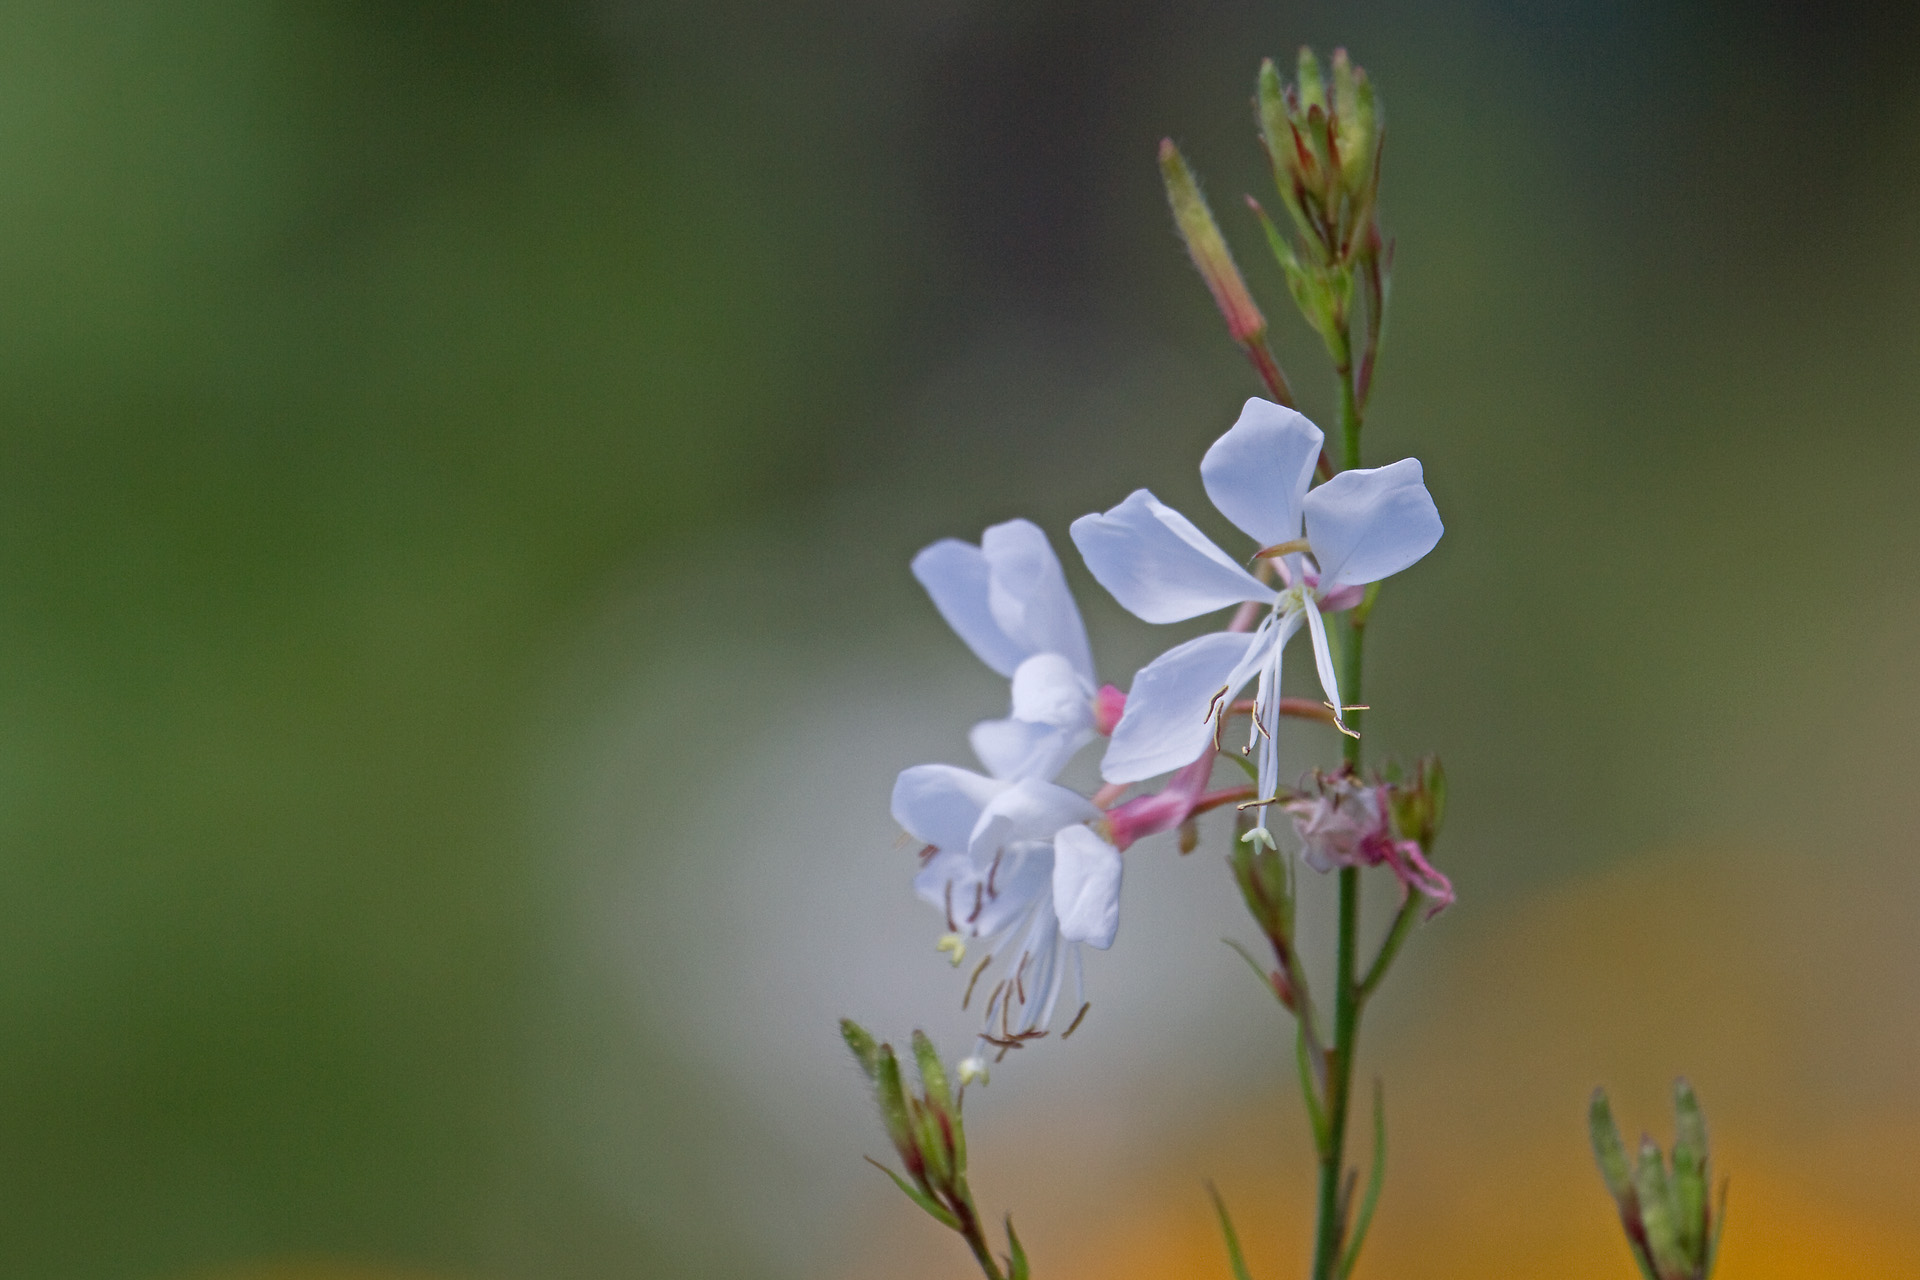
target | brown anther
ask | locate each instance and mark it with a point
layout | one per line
(951, 926)
(979, 904)
(992, 872)
(1075, 1024)
(1288, 547)
(977, 971)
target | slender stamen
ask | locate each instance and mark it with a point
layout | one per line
(1279, 549)
(1075, 1024)
(971, 982)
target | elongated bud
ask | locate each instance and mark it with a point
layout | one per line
(933, 1076)
(1608, 1151)
(1689, 1175)
(1671, 1226)
(1655, 1195)
(1420, 804)
(1312, 93)
(1208, 248)
(930, 1136)
(894, 1114)
(1265, 886)
(865, 1051)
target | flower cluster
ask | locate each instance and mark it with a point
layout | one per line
(1023, 867)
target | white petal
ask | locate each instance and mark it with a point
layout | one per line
(948, 867)
(1166, 724)
(1047, 689)
(1015, 749)
(1028, 810)
(1367, 525)
(1323, 658)
(1028, 594)
(984, 901)
(1158, 565)
(955, 574)
(940, 805)
(1086, 887)
(1259, 471)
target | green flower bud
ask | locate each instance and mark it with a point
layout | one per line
(1671, 1228)
(1311, 92)
(865, 1051)
(894, 1114)
(930, 1136)
(1323, 139)
(1266, 886)
(1690, 1175)
(1657, 1217)
(933, 1076)
(1208, 248)
(1419, 806)
(1608, 1151)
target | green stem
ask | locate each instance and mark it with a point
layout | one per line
(1330, 1229)
(1349, 417)
(1346, 1017)
(975, 1237)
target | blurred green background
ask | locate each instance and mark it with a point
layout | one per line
(458, 464)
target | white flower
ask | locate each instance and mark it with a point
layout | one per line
(1358, 527)
(1014, 865)
(1008, 599)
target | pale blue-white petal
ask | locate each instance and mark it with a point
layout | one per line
(1367, 525)
(1010, 890)
(943, 877)
(1166, 724)
(1259, 471)
(1014, 749)
(982, 901)
(940, 805)
(956, 575)
(1027, 810)
(1086, 886)
(1028, 594)
(1158, 565)
(1047, 689)
(1323, 659)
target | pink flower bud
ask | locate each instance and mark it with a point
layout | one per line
(1108, 706)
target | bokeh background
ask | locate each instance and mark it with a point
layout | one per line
(458, 466)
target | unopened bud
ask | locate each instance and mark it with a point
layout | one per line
(1420, 804)
(933, 1076)
(865, 1051)
(1323, 139)
(892, 1093)
(1689, 1172)
(1654, 1193)
(1608, 1151)
(1671, 1227)
(1208, 248)
(1265, 886)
